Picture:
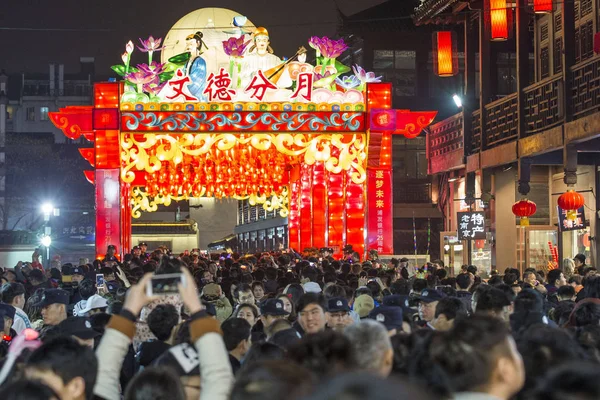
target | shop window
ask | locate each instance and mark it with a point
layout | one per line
(43, 113)
(30, 113)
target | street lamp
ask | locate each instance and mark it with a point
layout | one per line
(457, 100)
(46, 241)
(47, 209)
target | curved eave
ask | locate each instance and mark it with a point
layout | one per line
(426, 13)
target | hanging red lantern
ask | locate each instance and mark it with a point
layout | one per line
(524, 209)
(542, 6)
(480, 244)
(498, 17)
(571, 201)
(445, 56)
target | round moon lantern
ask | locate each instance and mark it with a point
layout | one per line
(571, 201)
(524, 209)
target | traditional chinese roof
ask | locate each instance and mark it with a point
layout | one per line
(429, 11)
(393, 15)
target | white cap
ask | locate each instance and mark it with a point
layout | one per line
(96, 301)
(312, 287)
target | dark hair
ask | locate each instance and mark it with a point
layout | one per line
(401, 286)
(257, 284)
(311, 298)
(107, 271)
(463, 281)
(99, 321)
(472, 269)
(575, 380)
(87, 288)
(250, 306)
(542, 348)
(587, 313)
(461, 370)
(323, 353)
(272, 380)
(560, 314)
(451, 307)
(553, 276)
(358, 386)
(27, 390)
(419, 285)
(262, 351)
(235, 330)
(334, 291)
(566, 291)
(9, 291)
(169, 265)
(155, 383)
(162, 320)
(492, 299)
(67, 359)
(510, 278)
(296, 290)
(529, 300)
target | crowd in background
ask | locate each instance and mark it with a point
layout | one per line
(284, 325)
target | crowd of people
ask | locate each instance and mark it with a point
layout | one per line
(296, 326)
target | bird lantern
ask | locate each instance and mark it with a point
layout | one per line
(445, 56)
(498, 16)
(524, 209)
(542, 6)
(571, 201)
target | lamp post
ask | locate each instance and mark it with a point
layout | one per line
(48, 210)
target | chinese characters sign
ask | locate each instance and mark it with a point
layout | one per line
(381, 208)
(565, 224)
(471, 225)
(108, 216)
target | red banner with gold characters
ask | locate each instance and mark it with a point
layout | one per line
(380, 226)
(108, 207)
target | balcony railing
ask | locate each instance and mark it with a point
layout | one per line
(543, 105)
(501, 125)
(586, 87)
(446, 136)
(412, 193)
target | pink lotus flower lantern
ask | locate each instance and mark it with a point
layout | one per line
(235, 46)
(149, 46)
(327, 47)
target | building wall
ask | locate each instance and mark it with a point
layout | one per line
(505, 223)
(178, 243)
(216, 219)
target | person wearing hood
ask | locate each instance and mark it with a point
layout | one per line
(213, 294)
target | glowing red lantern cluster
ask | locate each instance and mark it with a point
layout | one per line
(542, 6)
(445, 57)
(240, 171)
(524, 209)
(571, 201)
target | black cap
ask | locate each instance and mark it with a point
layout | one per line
(112, 246)
(273, 307)
(6, 310)
(54, 296)
(80, 327)
(143, 244)
(77, 271)
(431, 295)
(390, 316)
(580, 257)
(112, 287)
(404, 259)
(135, 248)
(337, 304)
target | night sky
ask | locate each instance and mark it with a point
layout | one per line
(34, 33)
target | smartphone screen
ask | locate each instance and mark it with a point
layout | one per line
(99, 280)
(164, 284)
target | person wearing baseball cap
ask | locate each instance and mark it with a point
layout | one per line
(390, 316)
(428, 301)
(80, 328)
(54, 306)
(338, 313)
(110, 253)
(93, 305)
(7, 316)
(272, 310)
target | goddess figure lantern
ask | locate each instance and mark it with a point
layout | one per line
(571, 201)
(445, 56)
(498, 18)
(524, 209)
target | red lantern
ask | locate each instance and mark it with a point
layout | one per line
(499, 19)
(524, 209)
(480, 244)
(542, 6)
(445, 56)
(571, 201)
